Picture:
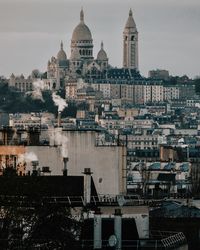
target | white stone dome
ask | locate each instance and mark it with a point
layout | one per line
(61, 56)
(102, 56)
(81, 32)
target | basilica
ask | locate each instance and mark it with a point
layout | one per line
(65, 70)
(82, 64)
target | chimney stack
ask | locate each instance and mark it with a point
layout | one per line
(59, 119)
(87, 185)
(97, 229)
(65, 160)
(118, 228)
(34, 165)
(33, 136)
(7, 135)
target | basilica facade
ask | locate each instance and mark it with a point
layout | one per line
(64, 71)
(82, 63)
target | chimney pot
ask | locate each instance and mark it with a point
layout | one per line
(87, 171)
(118, 212)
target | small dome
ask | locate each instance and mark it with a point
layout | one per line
(75, 55)
(130, 21)
(101, 56)
(81, 32)
(35, 73)
(61, 56)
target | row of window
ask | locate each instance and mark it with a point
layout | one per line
(23, 85)
(84, 52)
(145, 143)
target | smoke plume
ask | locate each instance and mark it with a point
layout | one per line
(59, 102)
(28, 157)
(38, 86)
(61, 140)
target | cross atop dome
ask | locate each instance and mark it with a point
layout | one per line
(102, 56)
(101, 44)
(130, 12)
(61, 56)
(82, 15)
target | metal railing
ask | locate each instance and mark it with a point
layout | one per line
(159, 241)
(172, 242)
(99, 200)
(104, 200)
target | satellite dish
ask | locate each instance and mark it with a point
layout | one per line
(121, 201)
(112, 241)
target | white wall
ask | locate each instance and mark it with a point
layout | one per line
(106, 162)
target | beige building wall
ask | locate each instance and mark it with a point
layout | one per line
(105, 88)
(157, 93)
(108, 163)
(48, 156)
(71, 90)
(131, 112)
(138, 97)
(147, 93)
(115, 91)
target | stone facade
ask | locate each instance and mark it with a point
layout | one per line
(61, 70)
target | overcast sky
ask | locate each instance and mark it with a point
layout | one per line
(169, 32)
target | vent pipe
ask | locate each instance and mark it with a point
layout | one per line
(87, 185)
(118, 228)
(34, 166)
(33, 136)
(65, 160)
(97, 229)
(59, 119)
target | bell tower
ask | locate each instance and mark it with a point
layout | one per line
(130, 44)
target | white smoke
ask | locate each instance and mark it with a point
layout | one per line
(64, 147)
(59, 102)
(61, 140)
(38, 86)
(28, 157)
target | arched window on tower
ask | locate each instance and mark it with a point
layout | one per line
(83, 52)
(132, 38)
